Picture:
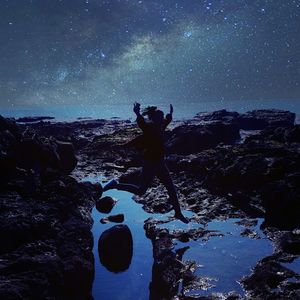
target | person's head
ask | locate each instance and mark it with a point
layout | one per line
(155, 115)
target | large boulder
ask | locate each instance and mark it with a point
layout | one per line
(260, 119)
(187, 139)
(115, 248)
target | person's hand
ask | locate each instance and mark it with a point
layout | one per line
(171, 109)
(136, 108)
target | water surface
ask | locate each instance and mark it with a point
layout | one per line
(225, 260)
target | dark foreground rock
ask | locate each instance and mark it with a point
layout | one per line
(46, 242)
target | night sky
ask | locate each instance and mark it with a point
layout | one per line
(161, 51)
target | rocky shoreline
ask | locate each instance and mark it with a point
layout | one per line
(46, 238)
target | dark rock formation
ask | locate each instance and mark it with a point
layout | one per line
(46, 242)
(251, 120)
(115, 248)
(105, 204)
(271, 280)
(260, 119)
(187, 139)
(119, 218)
(220, 115)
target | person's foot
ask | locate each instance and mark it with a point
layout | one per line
(110, 185)
(181, 217)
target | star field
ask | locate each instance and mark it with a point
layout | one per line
(94, 52)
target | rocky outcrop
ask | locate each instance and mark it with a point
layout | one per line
(187, 139)
(220, 115)
(251, 120)
(260, 119)
(46, 240)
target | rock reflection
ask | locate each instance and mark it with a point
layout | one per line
(115, 248)
(166, 275)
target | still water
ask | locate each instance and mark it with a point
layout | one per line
(224, 259)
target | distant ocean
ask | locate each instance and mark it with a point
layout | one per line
(124, 111)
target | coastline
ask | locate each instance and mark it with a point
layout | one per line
(217, 176)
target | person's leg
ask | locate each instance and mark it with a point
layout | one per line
(164, 176)
(146, 178)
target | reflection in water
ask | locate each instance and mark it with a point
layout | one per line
(228, 257)
(165, 282)
(115, 247)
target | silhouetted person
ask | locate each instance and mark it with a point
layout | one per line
(152, 144)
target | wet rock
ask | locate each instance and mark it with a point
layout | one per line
(268, 281)
(105, 204)
(119, 218)
(115, 247)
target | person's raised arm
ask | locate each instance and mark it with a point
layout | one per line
(139, 118)
(169, 116)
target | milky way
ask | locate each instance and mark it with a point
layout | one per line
(95, 52)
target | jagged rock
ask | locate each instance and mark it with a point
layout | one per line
(187, 139)
(219, 115)
(260, 119)
(46, 241)
(266, 279)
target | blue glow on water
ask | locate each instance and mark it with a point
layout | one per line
(225, 259)
(228, 258)
(294, 265)
(134, 282)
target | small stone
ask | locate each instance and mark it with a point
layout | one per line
(105, 204)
